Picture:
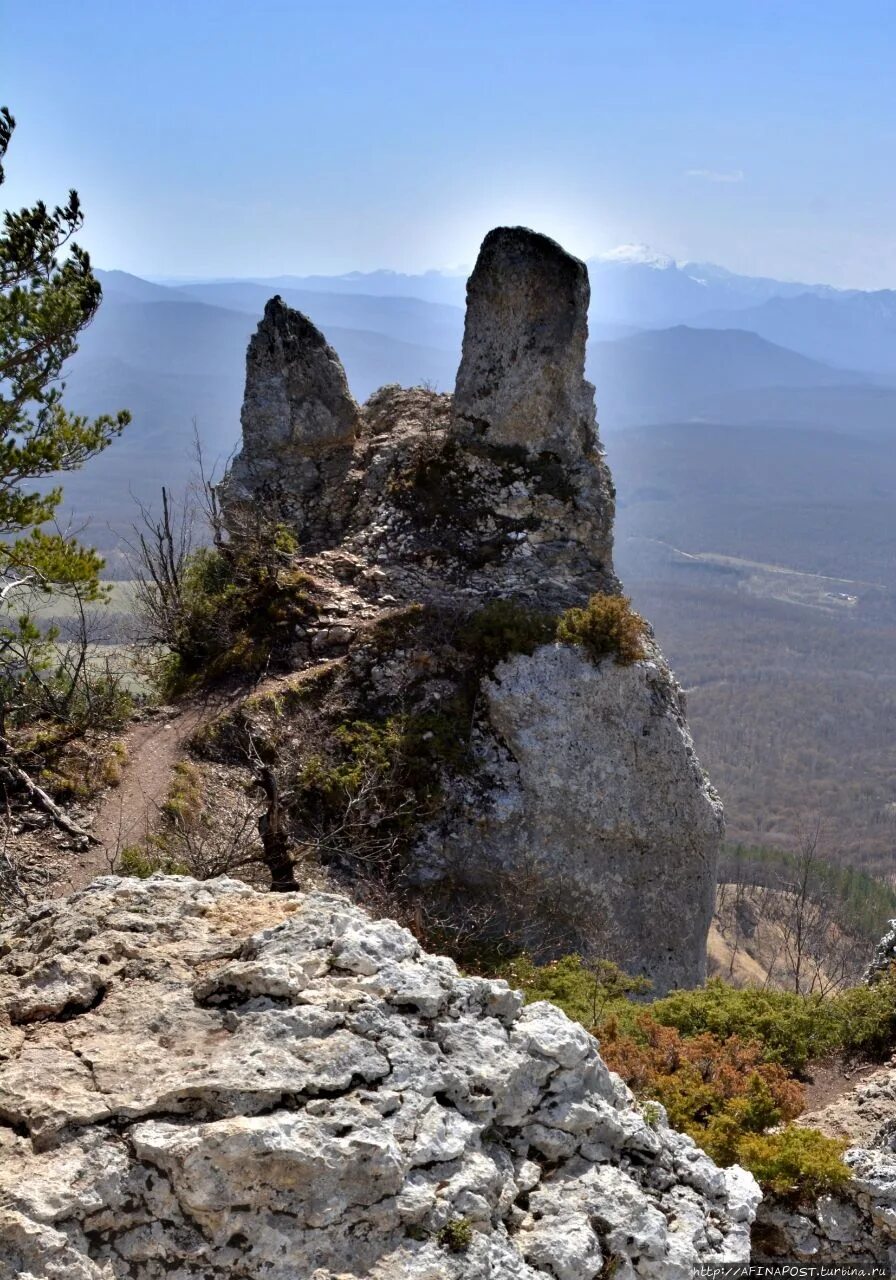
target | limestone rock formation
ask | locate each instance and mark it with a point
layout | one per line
(298, 416)
(440, 507)
(614, 828)
(566, 800)
(199, 1081)
(884, 957)
(521, 381)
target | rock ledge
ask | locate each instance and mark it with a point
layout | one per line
(201, 1081)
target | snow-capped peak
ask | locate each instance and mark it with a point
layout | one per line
(641, 254)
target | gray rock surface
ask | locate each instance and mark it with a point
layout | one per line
(407, 483)
(884, 958)
(521, 381)
(299, 419)
(199, 1081)
(597, 781)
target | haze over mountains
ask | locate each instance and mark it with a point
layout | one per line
(750, 426)
(669, 342)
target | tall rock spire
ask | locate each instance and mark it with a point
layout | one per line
(521, 380)
(443, 537)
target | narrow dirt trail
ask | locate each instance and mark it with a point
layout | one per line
(129, 811)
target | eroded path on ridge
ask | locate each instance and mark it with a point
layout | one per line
(128, 812)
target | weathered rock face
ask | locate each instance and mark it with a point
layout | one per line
(578, 777)
(442, 508)
(884, 956)
(521, 381)
(605, 832)
(298, 418)
(199, 1082)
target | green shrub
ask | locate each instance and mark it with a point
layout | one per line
(795, 1163)
(55, 689)
(222, 609)
(723, 1061)
(184, 802)
(365, 793)
(722, 1092)
(588, 993)
(651, 1113)
(134, 860)
(403, 753)
(866, 1018)
(230, 608)
(793, 1029)
(398, 627)
(606, 627)
(713, 1089)
(456, 1235)
(77, 769)
(503, 627)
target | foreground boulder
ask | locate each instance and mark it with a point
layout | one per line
(199, 1081)
(556, 796)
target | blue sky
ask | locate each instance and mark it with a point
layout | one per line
(265, 137)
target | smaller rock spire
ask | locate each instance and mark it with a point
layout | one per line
(299, 423)
(521, 379)
(297, 399)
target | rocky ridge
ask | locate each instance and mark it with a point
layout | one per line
(200, 1081)
(858, 1226)
(501, 489)
(884, 956)
(416, 513)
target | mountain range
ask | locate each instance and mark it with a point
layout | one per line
(669, 343)
(749, 424)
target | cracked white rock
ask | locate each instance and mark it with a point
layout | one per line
(275, 1086)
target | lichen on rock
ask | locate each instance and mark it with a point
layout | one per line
(200, 1081)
